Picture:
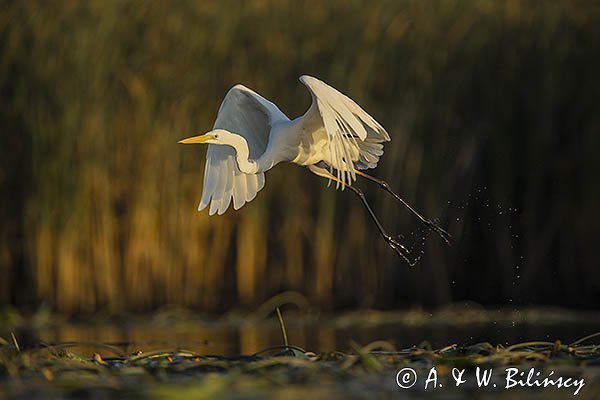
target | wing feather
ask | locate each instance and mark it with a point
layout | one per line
(228, 192)
(252, 189)
(354, 137)
(239, 191)
(250, 115)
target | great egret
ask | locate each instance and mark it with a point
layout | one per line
(335, 139)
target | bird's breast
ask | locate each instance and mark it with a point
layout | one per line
(311, 149)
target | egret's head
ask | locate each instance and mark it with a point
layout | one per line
(217, 136)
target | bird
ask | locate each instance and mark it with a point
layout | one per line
(335, 139)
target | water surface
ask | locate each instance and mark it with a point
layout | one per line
(230, 335)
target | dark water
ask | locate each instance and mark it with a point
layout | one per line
(317, 333)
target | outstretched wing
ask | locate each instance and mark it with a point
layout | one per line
(250, 115)
(354, 137)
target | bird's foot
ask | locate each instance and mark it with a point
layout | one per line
(396, 245)
(438, 230)
(401, 250)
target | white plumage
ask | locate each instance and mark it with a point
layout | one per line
(353, 137)
(334, 139)
(251, 116)
(335, 135)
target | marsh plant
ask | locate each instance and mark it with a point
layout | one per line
(489, 105)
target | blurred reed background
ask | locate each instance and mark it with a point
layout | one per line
(492, 107)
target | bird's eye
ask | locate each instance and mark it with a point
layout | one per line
(216, 136)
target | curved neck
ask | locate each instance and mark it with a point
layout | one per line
(245, 164)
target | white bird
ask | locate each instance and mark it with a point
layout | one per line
(335, 139)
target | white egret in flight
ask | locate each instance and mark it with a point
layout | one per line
(335, 139)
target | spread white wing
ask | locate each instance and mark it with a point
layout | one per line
(250, 115)
(354, 137)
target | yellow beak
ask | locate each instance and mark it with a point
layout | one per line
(197, 139)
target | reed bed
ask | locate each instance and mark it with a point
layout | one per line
(491, 106)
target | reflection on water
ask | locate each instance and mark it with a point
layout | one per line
(317, 333)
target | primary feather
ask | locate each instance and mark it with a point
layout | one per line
(354, 137)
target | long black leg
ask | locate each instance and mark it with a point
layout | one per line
(429, 223)
(398, 247)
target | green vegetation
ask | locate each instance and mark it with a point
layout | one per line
(53, 370)
(177, 353)
(492, 107)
